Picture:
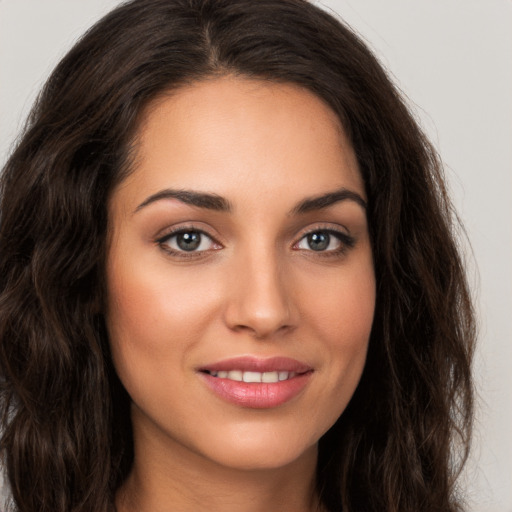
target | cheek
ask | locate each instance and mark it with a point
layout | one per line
(153, 298)
(342, 317)
(155, 317)
(342, 306)
(352, 321)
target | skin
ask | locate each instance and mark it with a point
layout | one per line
(254, 287)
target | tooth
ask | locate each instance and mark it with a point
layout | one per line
(270, 377)
(241, 376)
(235, 375)
(252, 377)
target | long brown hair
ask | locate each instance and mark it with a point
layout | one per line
(65, 436)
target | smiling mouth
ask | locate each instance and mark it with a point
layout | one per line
(257, 383)
(253, 377)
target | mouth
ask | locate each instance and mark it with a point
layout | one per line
(257, 383)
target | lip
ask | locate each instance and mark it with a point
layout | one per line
(257, 395)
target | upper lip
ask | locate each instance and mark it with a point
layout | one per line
(257, 364)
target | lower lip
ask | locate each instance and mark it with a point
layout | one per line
(257, 395)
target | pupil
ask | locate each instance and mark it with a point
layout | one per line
(188, 241)
(319, 241)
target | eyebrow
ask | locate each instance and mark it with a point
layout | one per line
(325, 200)
(218, 203)
(199, 199)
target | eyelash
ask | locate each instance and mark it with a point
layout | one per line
(346, 241)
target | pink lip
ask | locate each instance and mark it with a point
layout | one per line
(257, 395)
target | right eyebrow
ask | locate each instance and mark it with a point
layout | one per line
(194, 198)
(325, 200)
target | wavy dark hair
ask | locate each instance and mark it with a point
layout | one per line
(66, 439)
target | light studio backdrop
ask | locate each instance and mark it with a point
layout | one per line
(453, 60)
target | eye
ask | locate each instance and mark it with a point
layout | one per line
(325, 241)
(187, 241)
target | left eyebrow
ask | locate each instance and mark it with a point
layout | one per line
(325, 200)
(199, 199)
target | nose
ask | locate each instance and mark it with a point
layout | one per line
(260, 300)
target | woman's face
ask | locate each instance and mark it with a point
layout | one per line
(240, 278)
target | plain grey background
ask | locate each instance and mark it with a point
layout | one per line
(453, 60)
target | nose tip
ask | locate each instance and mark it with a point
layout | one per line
(260, 303)
(260, 323)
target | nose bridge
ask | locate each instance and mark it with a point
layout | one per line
(260, 299)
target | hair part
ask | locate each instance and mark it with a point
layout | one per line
(66, 438)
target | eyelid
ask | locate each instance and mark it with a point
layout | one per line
(336, 229)
(181, 227)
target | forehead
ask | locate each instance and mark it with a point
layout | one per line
(231, 135)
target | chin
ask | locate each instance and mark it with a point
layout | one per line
(261, 451)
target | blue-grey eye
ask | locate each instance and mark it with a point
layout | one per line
(188, 241)
(320, 241)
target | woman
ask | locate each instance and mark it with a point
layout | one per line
(229, 277)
